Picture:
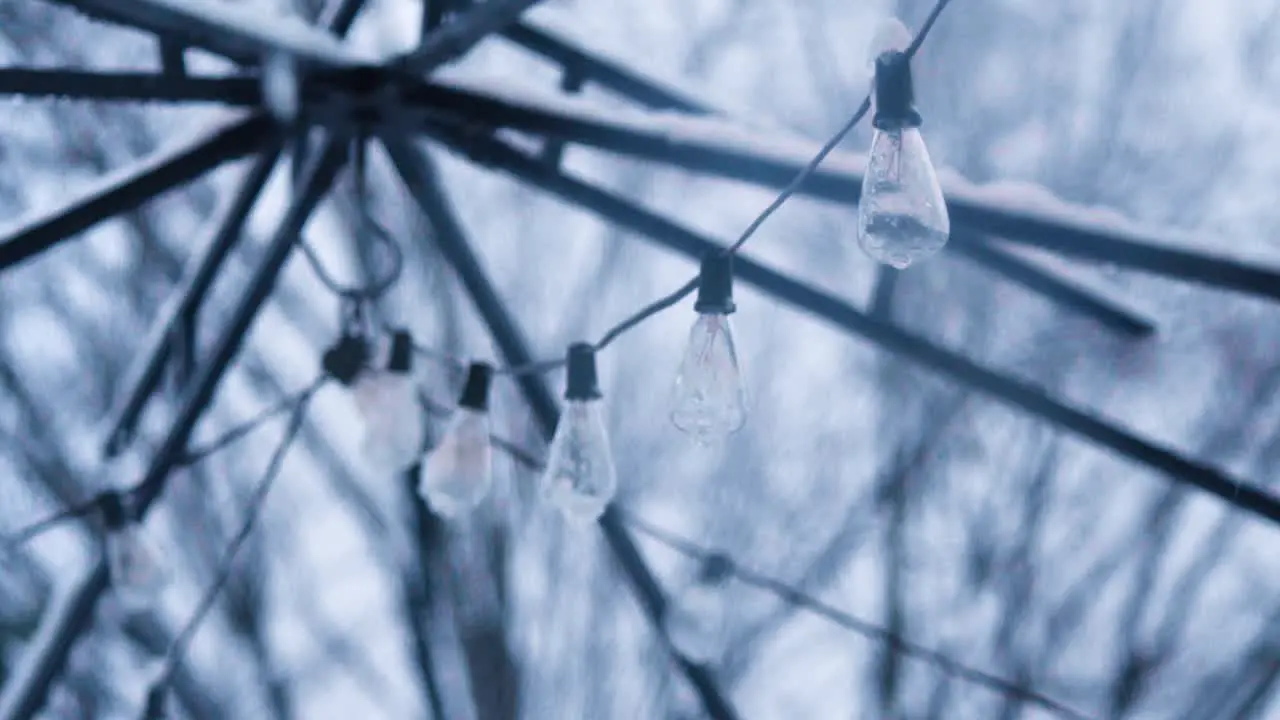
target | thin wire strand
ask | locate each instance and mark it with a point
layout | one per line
(926, 27)
(798, 598)
(191, 457)
(226, 564)
(367, 228)
(195, 455)
(684, 291)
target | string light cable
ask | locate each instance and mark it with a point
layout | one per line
(226, 565)
(797, 597)
(902, 218)
(684, 291)
(190, 458)
(368, 228)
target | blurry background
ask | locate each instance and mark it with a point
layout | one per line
(901, 498)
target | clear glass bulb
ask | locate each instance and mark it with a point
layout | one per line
(902, 217)
(394, 426)
(696, 622)
(280, 86)
(137, 577)
(709, 400)
(458, 473)
(580, 478)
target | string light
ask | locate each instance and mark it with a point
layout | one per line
(580, 478)
(902, 217)
(709, 399)
(458, 473)
(133, 566)
(393, 426)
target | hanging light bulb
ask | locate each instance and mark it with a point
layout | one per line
(709, 401)
(280, 87)
(696, 621)
(580, 478)
(458, 473)
(132, 564)
(902, 216)
(387, 400)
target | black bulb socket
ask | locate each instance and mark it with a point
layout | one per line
(115, 513)
(895, 93)
(346, 358)
(715, 569)
(583, 382)
(400, 358)
(475, 391)
(715, 285)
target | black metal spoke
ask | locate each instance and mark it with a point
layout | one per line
(134, 186)
(419, 177)
(243, 33)
(715, 148)
(580, 66)
(834, 310)
(117, 86)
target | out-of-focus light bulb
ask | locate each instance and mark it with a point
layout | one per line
(696, 622)
(458, 473)
(580, 478)
(392, 421)
(902, 217)
(280, 87)
(133, 567)
(709, 401)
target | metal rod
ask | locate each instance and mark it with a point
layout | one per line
(241, 34)
(126, 190)
(52, 655)
(452, 40)
(717, 148)
(129, 86)
(317, 181)
(654, 95)
(834, 310)
(1063, 291)
(420, 178)
(66, 619)
(605, 73)
(173, 58)
(144, 376)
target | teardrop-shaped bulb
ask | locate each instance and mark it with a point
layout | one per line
(902, 217)
(580, 478)
(696, 622)
(709, 401)
(134, 568)
(458, 473)
(280, 91)
(394, 426)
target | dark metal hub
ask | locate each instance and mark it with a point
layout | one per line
(361, 99)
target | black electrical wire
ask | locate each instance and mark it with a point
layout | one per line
(195, 455)
(684, 291)
(190, 457)
(367, 228)
(178, 649)
(798, 598)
